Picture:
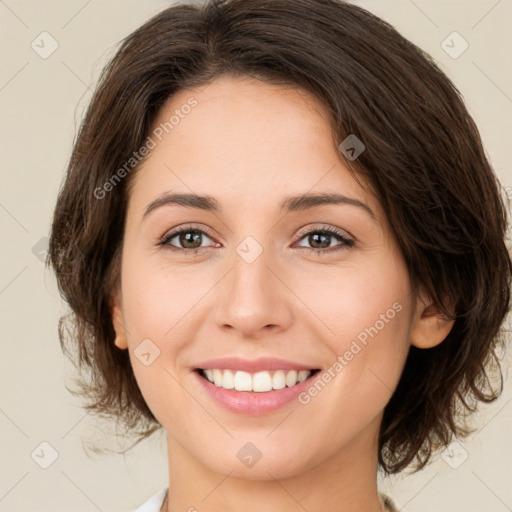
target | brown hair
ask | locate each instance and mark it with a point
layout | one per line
(423, 159)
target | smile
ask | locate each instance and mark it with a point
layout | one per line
(259, 382)
(253, 394)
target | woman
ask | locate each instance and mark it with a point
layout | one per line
(283, 243)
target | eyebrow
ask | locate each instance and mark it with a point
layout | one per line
(289, 204)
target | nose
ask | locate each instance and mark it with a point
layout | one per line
(253, 298)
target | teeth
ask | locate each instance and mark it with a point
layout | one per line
(228, 380)
(291, 378)
(279, 380)
(259, 382)
(303, 375)
(243, 381)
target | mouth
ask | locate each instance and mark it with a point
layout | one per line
(257, 382)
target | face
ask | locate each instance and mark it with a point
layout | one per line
(269, 284)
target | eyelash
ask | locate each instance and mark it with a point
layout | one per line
(327, 230)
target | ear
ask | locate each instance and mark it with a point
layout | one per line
(430, 326)
(118, 320)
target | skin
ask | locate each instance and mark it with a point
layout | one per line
(249, 144)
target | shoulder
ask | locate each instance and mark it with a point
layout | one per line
(388, 503)
(154, 504)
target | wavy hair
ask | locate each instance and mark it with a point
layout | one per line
(424, 160)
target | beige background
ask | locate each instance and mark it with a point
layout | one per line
(41, 104)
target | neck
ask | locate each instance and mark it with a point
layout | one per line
(344, 482)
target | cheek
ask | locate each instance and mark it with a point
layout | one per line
(366, 312)
(163, 309)
(158, 299)
(152, 306)
(361, 302)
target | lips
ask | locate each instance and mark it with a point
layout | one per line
(254, 387)
(253, 366)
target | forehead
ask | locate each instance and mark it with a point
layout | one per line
(239, 96)
(246, 116)
(247, 138)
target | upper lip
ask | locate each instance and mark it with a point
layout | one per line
(252, 365)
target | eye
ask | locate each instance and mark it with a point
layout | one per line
(321, 240)
(190, 238)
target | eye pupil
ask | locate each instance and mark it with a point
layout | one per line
(315, 239)
(187, 237)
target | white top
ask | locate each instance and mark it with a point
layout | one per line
(154, 504)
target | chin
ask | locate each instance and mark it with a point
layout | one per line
(259, 460)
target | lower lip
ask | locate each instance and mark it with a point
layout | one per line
(254, 403)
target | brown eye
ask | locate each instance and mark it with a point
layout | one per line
(190, 239)
(185, 239)
(320, 240)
